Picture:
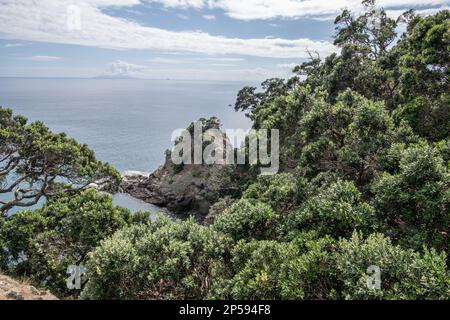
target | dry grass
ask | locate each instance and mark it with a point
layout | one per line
(11, 289)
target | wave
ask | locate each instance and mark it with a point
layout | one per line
(131, 173)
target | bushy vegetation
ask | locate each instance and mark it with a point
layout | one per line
(247, 219)
(159, 260)
(336, 211)
(414, 199)
(405, 274)
(41, 244)
(364, 181)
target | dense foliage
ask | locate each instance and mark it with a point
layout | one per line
(364, 182)
(159, 260)
(42, 243)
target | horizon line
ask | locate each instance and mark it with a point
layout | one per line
(121, 78)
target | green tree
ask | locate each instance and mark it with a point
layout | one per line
(426, 57)
(44, 242)
(424, 76)
(414, 198)
(370, 34)
(249, 100)
(36, 163)
(346, 137)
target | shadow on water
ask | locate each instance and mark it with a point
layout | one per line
(135, 205)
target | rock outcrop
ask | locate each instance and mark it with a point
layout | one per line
(187, 188)
(192, 189)
(11, 289)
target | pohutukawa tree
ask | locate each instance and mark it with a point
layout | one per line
(36, 163)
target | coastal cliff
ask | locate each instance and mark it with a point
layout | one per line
(187, 188)
(181, 192)
(191, 189)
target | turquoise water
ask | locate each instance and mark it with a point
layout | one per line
(128, 123)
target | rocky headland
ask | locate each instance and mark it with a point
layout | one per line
(188, 188)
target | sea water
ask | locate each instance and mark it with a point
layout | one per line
(127, 122)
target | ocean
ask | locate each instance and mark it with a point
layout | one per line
(127, 122)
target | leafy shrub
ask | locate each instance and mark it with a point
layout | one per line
(415, 201)
(165, 259)
(177, 168)
(218, 209)
(276, 270)
(248, 219)
(335, 211)
(44, 242)
(404, 274)
(443, 147)
(3, 250)
(17, 233)
(257, 268)
(312, 270)
(281, 191)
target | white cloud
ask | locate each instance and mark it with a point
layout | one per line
(47, 21)
(394, 13)
(123, 68)
(270, 9)
(209, 17)
(216, 61)
(13, 45)
(167, 61)
(183, 4)
(45, 58)
(224, 59)
(289, 66)
(221, 65)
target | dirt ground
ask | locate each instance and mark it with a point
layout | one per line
(11, 289)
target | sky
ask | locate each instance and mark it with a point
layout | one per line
(236, 40)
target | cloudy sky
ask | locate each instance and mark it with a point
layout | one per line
(177, 39)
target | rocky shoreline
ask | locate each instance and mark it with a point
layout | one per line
(186, 191)
(187, 188)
